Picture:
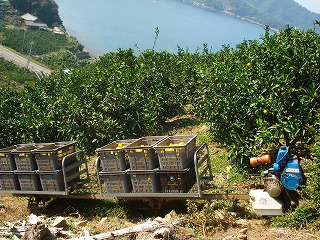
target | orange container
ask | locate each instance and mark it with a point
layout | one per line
(260, 160)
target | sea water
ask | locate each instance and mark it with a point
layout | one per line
(104, 26)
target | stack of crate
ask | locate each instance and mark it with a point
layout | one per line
(114, 162)
(8, 180)
(26, 167)
(175, 153)
(144, 163)
(34, 166)
(49, 164)
(151, 164)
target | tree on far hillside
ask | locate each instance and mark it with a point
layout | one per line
(2, 37)
(46, 10)
(22, 5)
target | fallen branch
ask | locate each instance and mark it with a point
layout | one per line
(156, 227)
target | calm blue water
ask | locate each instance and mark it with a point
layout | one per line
(106, 25)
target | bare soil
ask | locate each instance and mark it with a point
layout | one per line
(15, 208)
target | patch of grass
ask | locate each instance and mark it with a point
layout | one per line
(226, 173)
(188, 125)
(180, 124)
(206, 217)
(16, 205)
(305, 216)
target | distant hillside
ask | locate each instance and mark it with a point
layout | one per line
(275, 13)
(46, 10)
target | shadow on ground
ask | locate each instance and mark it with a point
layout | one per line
(180, 122)
(132, 210)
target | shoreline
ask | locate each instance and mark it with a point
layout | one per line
(231, 14)
(93, 57)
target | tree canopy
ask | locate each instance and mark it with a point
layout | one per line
(46, 10)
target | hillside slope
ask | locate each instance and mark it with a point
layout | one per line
(276, 14)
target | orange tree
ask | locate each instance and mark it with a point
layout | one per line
(10, 104)
(259, 95)
(263, 93)
(120, 96)
(307, 214)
